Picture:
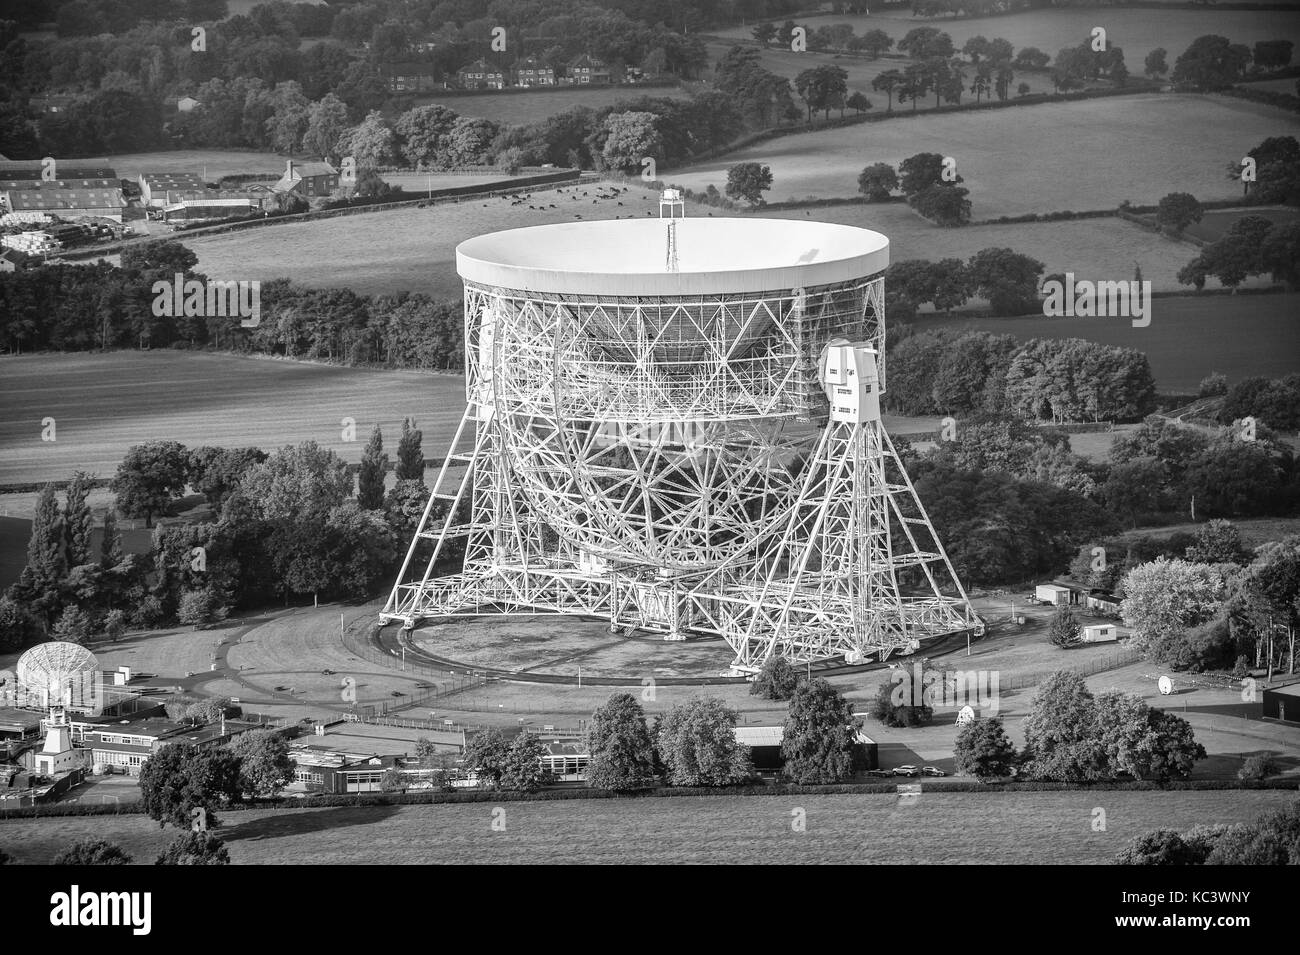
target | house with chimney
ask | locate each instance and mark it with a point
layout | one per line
(308, 179)
(532, 71)
(482, 75)
(586, 69)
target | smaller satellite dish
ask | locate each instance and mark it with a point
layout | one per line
(965, 715)
(1166, 685)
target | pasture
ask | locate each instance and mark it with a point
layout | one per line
(1083, 155)
(400, 249)
(1188, 338)
(1137, 31)
(1216, 222)
(104, 403)
(211, 163)
(516, 109)
(943, 828)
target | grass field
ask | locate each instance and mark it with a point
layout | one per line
(102, 404)
(212, 163)
(1215, 223)
(412, 249)
(531, 107)
(1083, 155)
(939, 828)
(1187, 338)
(1136, 31)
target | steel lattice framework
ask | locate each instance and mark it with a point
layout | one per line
(683, 462)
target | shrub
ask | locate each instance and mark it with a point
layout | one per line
(1257, 767)
(776, 680)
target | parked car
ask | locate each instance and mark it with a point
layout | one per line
(932, 771)
(906, 771)
(879, 772)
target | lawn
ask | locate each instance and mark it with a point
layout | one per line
(938, 828)
(103, 404)
(1082, 155)
(1188, 338)
(399, 249)
(1137, 31)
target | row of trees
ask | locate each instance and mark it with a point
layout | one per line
(946, 371)
(284, 523)
(1274, 839)
(1073, 736)
(100, 306)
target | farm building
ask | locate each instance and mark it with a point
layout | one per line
(1103, 602)
(200, 209)
(1053, 594)
(34, 170)
(67, 203)
(158, 189)
(308, 179)
(1282, 703)
(1100, 633)
(11, 260)
(67, 182)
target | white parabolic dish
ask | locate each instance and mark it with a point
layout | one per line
(625, 257)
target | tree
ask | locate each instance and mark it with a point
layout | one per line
(114, 625)
(1280, 254)
(74, 625)
(748, 181)
(619, 745)
(877, 181)
(944, 204)
(486, 755)
(886, 82)
(91, 851)
(1008, 279)
(775, 680)
(1063, 630)
(370, 477)
(917, 173)
(858, 102)
(697, 745)
(180, 778)
(1273, 54)
(1061, 740)
(926, 42)
(1031, 58)
(1144, 743)
(110, 547)
(150, 477)
(1211, 62)
(1163, 598)
(1177, 211)
(199, 607)
(819, 735)
(629, 138)
(1155, 63)
(410, 458)
(372, 143)
(1159, 847)
(822, 87)
(420, 133)
(296, 483)
(38, 586)
(195, 848)
(264, 764)
(327, 123)
(984, 750)
(77, 521)
(1219, 542)
(1212, 385)
(764, 33)
(521, 769)
(875, 42)
(894, 705)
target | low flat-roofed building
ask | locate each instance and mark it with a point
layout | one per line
(158, 189)
(34, 169)
(1282, 703)
(67, 203)
(18, 723)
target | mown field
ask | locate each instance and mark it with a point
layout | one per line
(1083, 155)
(1137, 31)
(957, 828)
(102, 404)
(212, 163)
(1188, 338)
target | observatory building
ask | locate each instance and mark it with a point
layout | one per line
(674, 424)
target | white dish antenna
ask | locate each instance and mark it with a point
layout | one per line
(1166, 685)
(54, 674)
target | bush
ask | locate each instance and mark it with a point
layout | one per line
(195, 848)
(776, 680)
(1257, 767)
(92, 852)
(1158, 847)
(1242, 667)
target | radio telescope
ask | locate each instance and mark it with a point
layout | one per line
(674, 424)
(57, 674)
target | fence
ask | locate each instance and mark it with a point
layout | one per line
(1113, 661)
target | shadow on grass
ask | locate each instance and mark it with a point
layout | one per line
(287, 822)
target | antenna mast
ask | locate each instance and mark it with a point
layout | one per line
(672, 208)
